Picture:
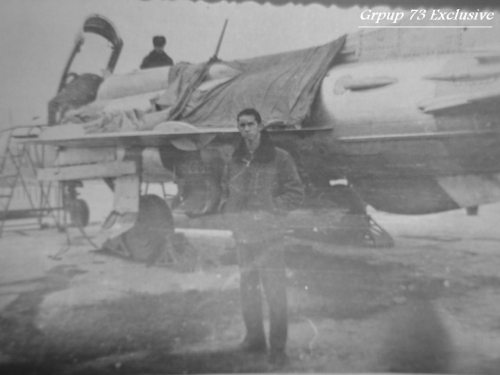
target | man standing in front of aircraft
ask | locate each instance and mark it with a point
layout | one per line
(261, 185)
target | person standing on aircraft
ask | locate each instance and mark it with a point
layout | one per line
(261, 185)
(157, 57)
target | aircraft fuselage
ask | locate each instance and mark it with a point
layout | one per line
(408, 116)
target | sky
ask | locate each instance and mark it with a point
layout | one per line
(36, 38)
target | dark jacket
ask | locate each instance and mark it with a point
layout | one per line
(267, 184)
(156, 59)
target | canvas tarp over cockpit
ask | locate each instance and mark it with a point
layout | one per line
(282, 87)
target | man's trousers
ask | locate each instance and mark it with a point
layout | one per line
(262, 266)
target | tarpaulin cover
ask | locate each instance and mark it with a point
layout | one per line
(281, 87)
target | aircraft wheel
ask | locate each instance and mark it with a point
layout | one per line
(147, 239)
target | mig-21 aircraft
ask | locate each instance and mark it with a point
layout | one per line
(408, 118)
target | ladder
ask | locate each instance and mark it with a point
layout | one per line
(18, 162)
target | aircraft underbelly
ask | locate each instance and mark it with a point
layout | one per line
(424, 195)
(431, 155)
(407, 196)
(424, 175)
(418, 174)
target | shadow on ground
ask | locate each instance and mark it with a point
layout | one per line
(144, 333)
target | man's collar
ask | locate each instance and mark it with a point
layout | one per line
(263, 154)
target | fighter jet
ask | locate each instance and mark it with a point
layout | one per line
(406, 118)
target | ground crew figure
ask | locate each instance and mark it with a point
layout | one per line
(157, 57)
(261, 184)
(81, 90)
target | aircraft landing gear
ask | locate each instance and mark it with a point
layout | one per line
(378, 236)
(78, 209)
(147, 239)
(354, 227)
(373, 234)
(153, 240)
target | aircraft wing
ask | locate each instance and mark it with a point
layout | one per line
(182, 135)
(487, 70)
(453, 101)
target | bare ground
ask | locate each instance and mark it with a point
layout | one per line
(432, 303)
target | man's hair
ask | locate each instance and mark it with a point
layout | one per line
(159, 41)
(250, 112)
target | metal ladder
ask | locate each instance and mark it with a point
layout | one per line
(8, 179)
(15, 161)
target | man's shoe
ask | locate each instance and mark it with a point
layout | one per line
(278, 358)
(253, 346)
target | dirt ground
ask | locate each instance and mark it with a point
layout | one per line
(430, 304)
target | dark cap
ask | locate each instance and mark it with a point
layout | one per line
(159, 41)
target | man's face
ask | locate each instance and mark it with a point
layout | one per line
(249, 127)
